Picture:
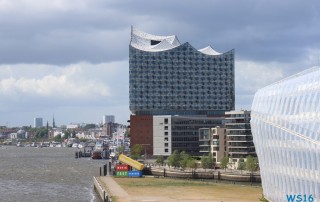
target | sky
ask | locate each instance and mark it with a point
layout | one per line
(69, 58)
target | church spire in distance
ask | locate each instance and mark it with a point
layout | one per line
(53, 122)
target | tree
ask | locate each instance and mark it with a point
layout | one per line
(57, 138)
(241, 165)
(174, 159)
(120, 149)
(41, 133)
(204, 162)
(207, 161)
(136, 151)
(192, 164)
(251, 164)
(73, 133)
(89, 126)
(210, 161)
(224, 162)
(67, 134)
(160, 160)
(184, 159)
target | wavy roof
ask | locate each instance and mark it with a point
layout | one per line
(153, 43)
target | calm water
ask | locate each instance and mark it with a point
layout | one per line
(46, 174)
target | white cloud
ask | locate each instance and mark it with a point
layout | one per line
(251, 76)
(80, 92)
(81, 82)
(69, 81)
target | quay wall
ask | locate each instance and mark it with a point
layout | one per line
(216, 175)
(103, 194)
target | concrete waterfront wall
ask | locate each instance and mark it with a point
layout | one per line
(103, 194)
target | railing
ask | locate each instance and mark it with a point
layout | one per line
(101, 191)
(217, 176)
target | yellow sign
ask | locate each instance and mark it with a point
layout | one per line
(130, 162)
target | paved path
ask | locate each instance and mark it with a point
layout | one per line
(115, 189)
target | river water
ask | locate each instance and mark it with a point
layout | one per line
(46, 174)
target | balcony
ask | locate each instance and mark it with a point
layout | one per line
(204, 149)
(204, 145)
(215, 149)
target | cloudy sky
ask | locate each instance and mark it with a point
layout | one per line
(70, 57)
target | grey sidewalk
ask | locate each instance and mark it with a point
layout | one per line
(114, 188)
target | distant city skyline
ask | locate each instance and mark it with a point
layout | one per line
(71, 59)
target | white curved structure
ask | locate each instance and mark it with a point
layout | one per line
(285, 123)
(209, 51)
(154, 43)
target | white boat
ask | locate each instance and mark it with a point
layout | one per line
(75, 145)
(19, 144)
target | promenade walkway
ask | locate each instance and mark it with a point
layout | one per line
(114, 188)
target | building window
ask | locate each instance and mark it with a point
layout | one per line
(165, 121)
(166, 150)
(154, 42)
(166, 139)
(166, 144)
(166, 127)
(166, 133)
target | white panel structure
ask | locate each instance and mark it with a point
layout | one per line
(285, 123)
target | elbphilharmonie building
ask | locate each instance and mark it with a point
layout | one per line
(175, 89)
(170, 78)
(285, 123)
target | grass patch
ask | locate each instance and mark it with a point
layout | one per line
(189, 190)
(147, 182)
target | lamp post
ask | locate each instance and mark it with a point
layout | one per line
(145, 151)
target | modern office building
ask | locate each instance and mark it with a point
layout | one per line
(168, 133)
(185, 131)
(285, 122)
(239, 136)
(38, 122)
(108, 119)
(174, 79)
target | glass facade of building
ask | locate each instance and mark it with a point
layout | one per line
(285, 123)
(169, 78)
(185, 132)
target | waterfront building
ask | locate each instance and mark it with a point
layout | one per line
(38, 122)
(168, 78)
(110, 128)
(213, 140)
(239, 136)
(285, 122)
(108, 119)
(72, 126)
